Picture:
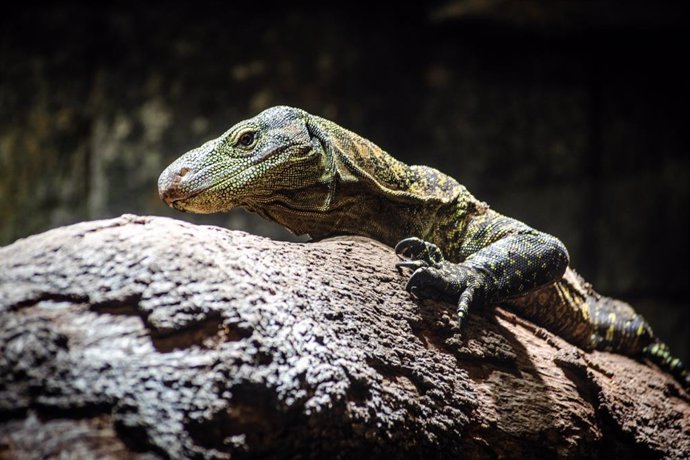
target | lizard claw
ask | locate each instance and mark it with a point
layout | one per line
(411, 264)
(404, 248)
(418, 249)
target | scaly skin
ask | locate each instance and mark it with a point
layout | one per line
(314, 177)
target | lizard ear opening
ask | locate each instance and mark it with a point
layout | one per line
(316, 134)
(338, 166)
(311, 129)
(320, 143)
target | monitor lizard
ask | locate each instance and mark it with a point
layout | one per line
(314, 177)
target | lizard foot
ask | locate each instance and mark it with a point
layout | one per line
(435, 278)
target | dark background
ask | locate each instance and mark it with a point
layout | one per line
(569, 115)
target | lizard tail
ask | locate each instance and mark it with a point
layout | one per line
(659, 353)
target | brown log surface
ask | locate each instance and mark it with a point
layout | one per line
(149, 337)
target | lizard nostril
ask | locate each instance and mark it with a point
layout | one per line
(171, 183)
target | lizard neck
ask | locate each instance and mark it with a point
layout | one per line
(363, 208)
(364, 191)
(368, 193)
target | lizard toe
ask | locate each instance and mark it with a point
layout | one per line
(411, 264)
(428, 283)
(408, 248)
(418, 249)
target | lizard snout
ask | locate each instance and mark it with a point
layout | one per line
(173, 184)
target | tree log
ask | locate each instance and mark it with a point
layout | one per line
(150, 337)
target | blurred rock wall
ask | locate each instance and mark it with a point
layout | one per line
(569, 117)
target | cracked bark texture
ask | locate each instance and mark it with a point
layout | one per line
(146, 337)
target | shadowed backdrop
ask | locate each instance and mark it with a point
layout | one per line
(571, 116)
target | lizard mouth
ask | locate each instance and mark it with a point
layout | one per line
(179, 204)
(186, 203)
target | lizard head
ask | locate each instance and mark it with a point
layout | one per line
(307, 174)
(271, 160)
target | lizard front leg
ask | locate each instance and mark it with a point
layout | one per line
(501, 258)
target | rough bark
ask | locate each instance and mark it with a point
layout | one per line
(147, 337)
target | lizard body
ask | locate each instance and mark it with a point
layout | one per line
(314, 177)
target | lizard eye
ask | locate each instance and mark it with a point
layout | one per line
(246, 139)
